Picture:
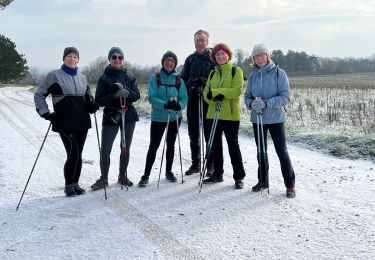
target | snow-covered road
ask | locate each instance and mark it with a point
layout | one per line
(332, 217)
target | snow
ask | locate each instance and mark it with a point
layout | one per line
(332, 217)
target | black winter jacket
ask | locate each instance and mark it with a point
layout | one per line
(105, 91)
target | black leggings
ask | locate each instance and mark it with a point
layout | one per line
(73, 142)
(156, 134)
(277, 132)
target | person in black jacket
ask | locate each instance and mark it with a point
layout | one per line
(72, 103)
(195, 72)
(114, 84)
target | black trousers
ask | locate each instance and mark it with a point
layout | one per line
(73, 142)
(192, 114)
(156, 134)
(277, 132)
(230, 130)
(109, 133)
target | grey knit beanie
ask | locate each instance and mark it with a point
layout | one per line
(260, 48)
(69, 50)
(169, 54)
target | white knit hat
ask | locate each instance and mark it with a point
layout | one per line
(260, 48)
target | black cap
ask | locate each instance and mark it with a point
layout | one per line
(169, 54)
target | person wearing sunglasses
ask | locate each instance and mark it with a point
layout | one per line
(115, 85)
(72, 102)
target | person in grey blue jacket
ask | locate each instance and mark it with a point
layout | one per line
(72, 102)
(268, 92)
(167, 96)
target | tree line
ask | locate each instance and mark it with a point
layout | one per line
(14, 69)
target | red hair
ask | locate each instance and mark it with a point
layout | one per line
(221, 46)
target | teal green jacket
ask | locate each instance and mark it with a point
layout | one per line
(158, 96)
(230, 87)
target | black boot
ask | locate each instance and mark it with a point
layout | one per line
(99, 184)
(170, 176)
(70, 191)
(143, 182)
(124, 181)
(78, 189)
(194, 168)
(259, 186)
(238, 184)
(290, 192)
(210, 169)
(213, 179)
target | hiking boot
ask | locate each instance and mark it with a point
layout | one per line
(143, 182)
(290, 192)
(213, 179)
(170, 176)
(259, 186)
(70, 191)
(238, 184)
(99, 184)
(194, 168)
(124, 181)
(78, 189)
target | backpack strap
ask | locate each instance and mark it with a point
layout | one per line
(177, 82)
(233, 72)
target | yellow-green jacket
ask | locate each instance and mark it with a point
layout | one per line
(230, 87)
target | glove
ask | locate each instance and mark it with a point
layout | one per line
(175, 105)
(258, 104)
(122, 92)
(200, 82)
(209, 95)
(118, 86)
(49, 116)
(219, 97)
(168, 105)
(92, 107)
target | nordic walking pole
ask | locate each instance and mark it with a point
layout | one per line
(201, 132)
(100, 155)
(210, 141)
(259, 150)
(265, 156)
(123, 144)
(165, 141)
(45, 137)
(179, 144)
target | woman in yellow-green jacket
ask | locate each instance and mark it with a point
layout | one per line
(225, 85)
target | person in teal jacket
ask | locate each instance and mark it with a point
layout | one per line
(268, 91)
(168, 96)
(224, 85)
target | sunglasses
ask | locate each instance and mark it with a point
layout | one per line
(114, 57)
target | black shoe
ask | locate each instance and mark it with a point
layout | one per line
(99, 184)
(259, 186)
(124, 181)
(238, 184)
(143, 182)
(78, 189)
(170, 176)
(194, 168)
(290, 192)
(70, 191)
(213, 179)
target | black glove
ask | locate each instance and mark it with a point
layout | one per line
(175, 105)
(200, 82)
(219, 97)
(209, 95)
(49, 116)
(168, 105)
(92, 107)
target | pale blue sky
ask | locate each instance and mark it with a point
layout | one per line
(145, 29)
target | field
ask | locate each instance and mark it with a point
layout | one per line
(334, 114)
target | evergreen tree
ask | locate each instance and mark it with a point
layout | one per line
(4, 3)
(12, 64)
